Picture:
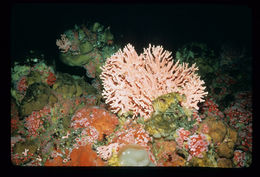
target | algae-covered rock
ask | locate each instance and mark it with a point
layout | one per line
(20, 147)
(203, 162)
(66, 122)
(37, 96)
(85, 55)
(106, 36)
(70, 86)
(85, 48)
(224, 163)
(19, 71)
(175, 160)
(15, 123)
(222, 136)
(75, 60)
(216, 129)
(232, 135)
(33, 77)
(165, 153)
(162, 103)
(168, 115)
(226, 149)
(107, 51)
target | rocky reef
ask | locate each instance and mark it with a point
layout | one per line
(60, 119)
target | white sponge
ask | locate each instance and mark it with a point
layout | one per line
(133, 156)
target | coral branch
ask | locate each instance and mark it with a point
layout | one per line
(131, 81)
(63, 43)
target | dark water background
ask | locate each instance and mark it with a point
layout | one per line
(36, 26)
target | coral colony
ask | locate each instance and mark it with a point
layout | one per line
(150, 109)
(147, 77)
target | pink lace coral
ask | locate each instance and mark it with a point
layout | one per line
(131, 81)
(64, 44)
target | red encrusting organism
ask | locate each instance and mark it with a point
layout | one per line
(98, 118)
(51, 79)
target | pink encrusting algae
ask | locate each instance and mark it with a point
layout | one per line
(210, 108)
(95, 119)
(35, 121)
(239, 116)
(198, 144)
(22, 85)
(105, 152)
(182, 135)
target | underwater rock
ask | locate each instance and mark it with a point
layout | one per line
(93, 69)
(33, 77)
(23, 153)
(69, 86)
(37, 96)
(226, 149)
(162, 103)
(175, 160)
(85, 47)
(168, 115)
(222, 136)
(41, 73)
(232, 135)
(224, 163)
(206, 161)
(76, 60)
(166, 154)
(20, 147)
(216, 129)
(14, 116)
(161, 147)
(66, 122)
